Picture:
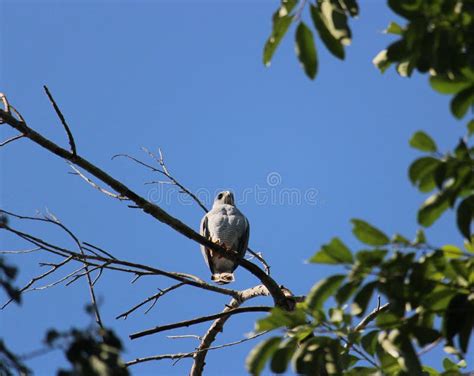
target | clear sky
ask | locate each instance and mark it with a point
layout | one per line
(187, 76)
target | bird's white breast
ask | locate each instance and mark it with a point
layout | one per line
(226, 223)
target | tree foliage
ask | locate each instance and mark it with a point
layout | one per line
(427, 290)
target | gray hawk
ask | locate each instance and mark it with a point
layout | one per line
(225, 225)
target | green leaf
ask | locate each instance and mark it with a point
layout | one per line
(321, 25)
(438, 299)
(400, 239)
(322, 290)
(382, 61)
(465, 216)
(432, 209)
(421, 141)
(394, 28)
(335, 252)
(462, 101)
(369, 341)
(445, 85)
(259, 355)
(451, 251)
(351, 6)
(362, 299)
(422, 167)
(281, 318)
(470, 128)
(429, 371)
(371, 258)
(282, 356)
(368, 234)
(281, 22)
(346, 291)
(306, 50)
(420, 237)
(336, 21)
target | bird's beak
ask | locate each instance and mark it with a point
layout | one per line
(228, 198)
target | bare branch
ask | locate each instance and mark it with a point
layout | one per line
(121, 265)
(20, 252)
(154, 298)
(199, 320)
(148, 207)
(218, 325)
(185, 336)
(371, 316)
(172, 180)
(11, 139)
(72, 143)
(35, 279)
(94, 185)
(180, 356)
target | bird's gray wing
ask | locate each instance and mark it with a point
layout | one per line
(204, 230)
(243, 241)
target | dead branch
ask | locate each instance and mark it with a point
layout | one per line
(172, 180)
(148, 207)
(218, 325)
(199, 320)
(120, 265)
(35, 279)
(11, 139)
(179, 356)
(153, 298)
(72, 143)
(94, 185)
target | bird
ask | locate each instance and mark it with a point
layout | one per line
(226, 226)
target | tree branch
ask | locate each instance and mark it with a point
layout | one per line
(72, 143)
(148, 207)
(154, 298)
(199, 320)
(179, 356)
(218, 325)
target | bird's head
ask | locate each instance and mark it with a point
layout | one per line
(225, 197)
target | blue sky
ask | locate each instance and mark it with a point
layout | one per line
(187, 76)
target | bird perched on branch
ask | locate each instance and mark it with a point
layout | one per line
(225, 225)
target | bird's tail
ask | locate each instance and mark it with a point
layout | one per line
(223, 278)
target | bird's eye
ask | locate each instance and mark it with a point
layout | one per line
(220, 196)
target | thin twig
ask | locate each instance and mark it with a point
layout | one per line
(185, 336)
(94, 185)
(180, 356)
(154, 297)
(218, 325)
(72, 143)
(20, 252)
(199, 320)
(35, 279)
(11, 139)
(371, 316)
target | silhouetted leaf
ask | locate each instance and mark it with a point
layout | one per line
(320, 23)
(362, 299)
(462, 101)
(259, 355)
(282, 355)
(322, 290)
(465, 216)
